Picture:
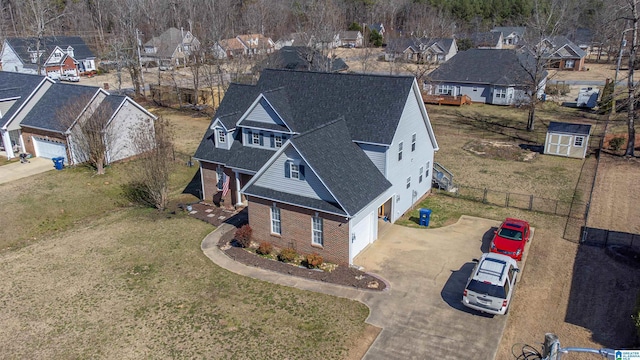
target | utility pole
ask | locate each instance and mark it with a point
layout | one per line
(139, 45)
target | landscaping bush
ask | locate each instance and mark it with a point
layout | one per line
(265, 248)
(287, 255)
(243, 236)
(617, 142)
(313, 261)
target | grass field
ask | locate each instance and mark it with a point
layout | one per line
(88, 275)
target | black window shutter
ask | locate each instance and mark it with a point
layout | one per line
(301, 171)
(250, 137)
(287, 169)
(261, 139)
(272, 142)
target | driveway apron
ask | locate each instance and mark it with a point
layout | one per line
(422, 316)
(17, 170)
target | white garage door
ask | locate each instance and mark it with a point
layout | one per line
(49, 149)
(363, 236)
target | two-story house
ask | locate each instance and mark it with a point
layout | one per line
(421, 50)
(54, 55)
(172, 48)
(243, 45)
(320, 159)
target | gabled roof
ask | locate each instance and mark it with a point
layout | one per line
(559, 47)
(349, 35)
(18, 86)
(55, 112)
(437, 45)
(377, 27)
(508, 30)
(486, 39)
(568, 128)
(261, 41)
(22, 46)
(301, 58)
(167, 43)
(232, 44)
(344, 169)
(486, 66)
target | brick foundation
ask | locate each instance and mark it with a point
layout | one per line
(296, 230)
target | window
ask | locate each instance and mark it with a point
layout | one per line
(413, 142)
(277, 141)
(400, 151)
(255, 138)
(569, 64)
(426, 174)
(275, 220)
(445, 89)
(501, 93)
(475, 88)
(420, 175)
(220, 175)
(316, 229)
(293, 170)
(578, 141)
(221, 137)
(409, 182)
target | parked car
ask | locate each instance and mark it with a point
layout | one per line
(511, 238)
(491, 284)
(69, 77)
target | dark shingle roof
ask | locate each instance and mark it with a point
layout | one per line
(486, 66)
(18, 85)
(288, 198)
(22, 46)
(166, 43)
(301, 58)
(56, 113)
(485, 39)
(561, 47)
(507, 30)
(582, 129)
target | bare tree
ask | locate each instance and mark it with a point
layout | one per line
(631, 86)
(90, 138)
(149, 184)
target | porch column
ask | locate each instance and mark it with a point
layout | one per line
(238, 196)
(8, 147)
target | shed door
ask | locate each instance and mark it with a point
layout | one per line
(49, 149)
(559, 144)
(363, 233)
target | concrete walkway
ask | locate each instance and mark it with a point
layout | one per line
(18, 170)
(421, 315)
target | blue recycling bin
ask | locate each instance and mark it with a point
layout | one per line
(58, 163)
(425, 215)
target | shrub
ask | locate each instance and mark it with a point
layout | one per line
(287, 255)
(243, 235)
(313, 261)
(265, 248)
(617, 142)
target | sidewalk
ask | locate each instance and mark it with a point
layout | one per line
(18, 170)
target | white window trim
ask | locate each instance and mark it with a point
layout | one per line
(400, 146)
(578, 139)
(413, 142)
(255, 138)
(317, 232)
(222, 137)
(296, 171)
(420, 175)
(276, 220)
(219, 177)
(275, 141)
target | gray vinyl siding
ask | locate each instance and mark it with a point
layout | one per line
(274, 178)
(377, 155)
(268, 141)
(5, 106)
(263, 113)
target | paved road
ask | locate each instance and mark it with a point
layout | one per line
(421, 315)
(17, 170)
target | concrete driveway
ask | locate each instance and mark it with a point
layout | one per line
(17, 170)
(421, 316)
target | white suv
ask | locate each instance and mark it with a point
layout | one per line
(491, 285)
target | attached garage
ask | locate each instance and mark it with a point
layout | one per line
(362, 235)
(566, 139)
(49, 149)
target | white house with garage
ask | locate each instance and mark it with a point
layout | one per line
(318, 168)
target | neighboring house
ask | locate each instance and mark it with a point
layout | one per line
(566, 139)
(511, 35)
(487, 40)
(377, 27)
(295, 39)
(499, 77)
(421, 50)
(172, 48)
(302, 58)
(55, 55)
(351, 39)
(320, 159)
(562, 54)
(243, 45)
(45, 122)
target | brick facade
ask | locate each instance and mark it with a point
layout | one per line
(296, 230)
(210, 181)
(28, 133)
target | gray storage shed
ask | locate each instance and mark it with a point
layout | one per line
(566, 139)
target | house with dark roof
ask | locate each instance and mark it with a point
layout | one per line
(562, 53)
(299, 148)
(243, 45)
(379, 27)
(511, 35)
(567, 139)
(54, 55)
(487, 40)
(302, 58)
(172, 48)
(351, 39)
(45, 118)
(421, 50)
(499, 77)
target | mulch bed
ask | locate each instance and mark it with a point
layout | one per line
(341, 275)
